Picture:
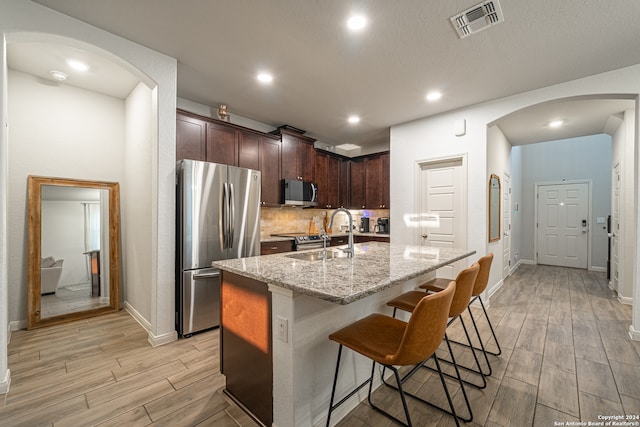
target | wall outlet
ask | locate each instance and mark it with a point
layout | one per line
(282, 328)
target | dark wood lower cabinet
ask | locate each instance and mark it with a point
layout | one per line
(246, 352)
(277, 247)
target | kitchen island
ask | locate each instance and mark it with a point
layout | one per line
(278, 310)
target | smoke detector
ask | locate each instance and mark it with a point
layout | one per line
(477, 18)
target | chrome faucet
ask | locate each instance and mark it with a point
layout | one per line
(349, 249)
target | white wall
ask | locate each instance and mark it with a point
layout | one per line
(57, 131)
(5, 377)
(434, 137)
(623, 152)
(587, 157)
(136, 201)
(498, 162)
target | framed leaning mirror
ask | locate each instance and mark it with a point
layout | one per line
(74, 249)
(494, 208)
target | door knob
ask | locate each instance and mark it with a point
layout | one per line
(424, 236)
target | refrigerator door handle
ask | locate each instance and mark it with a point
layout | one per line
(232, 221)
(206, 276)
(225, 217)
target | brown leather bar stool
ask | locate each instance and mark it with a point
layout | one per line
(392, 342)
(480, 285)
(464, 287)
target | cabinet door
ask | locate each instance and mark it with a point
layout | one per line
(222, 145)
(322, 162)
(270, 171)
(249, 150)
(373, 182)
(289, 157)
(333, 181)
(306, 161)
(385, 183)
(191, 137)
(357, 185)
(345, 183)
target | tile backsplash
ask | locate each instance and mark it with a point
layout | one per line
(297, 220)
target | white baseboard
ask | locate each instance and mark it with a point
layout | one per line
(598, 269)
(494, 289)
(5, 382)
(136, 315)
(633, 333)
(154, 340)
(17, 325)
(625, 300)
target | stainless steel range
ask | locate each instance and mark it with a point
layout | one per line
(305, 241)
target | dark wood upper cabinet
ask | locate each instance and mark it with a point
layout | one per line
(373, 182)
(358, 183)
(328, 177)
(357, 175)
(222, 144)
(345, 183)
(386, 180)
(369, 186)
(270, 171)
(191, 138)
(298, 156)
(322, 162)
(333, 181)
(249, 151)
(206, 139)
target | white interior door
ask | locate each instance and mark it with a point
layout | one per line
(506, 226)
(442, 202)
(616, 182)
(563, 227)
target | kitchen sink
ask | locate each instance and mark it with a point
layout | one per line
(318, 255)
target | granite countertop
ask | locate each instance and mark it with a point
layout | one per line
(376, 266)
(340, 234)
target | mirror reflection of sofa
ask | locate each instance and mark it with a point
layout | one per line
(50, 272)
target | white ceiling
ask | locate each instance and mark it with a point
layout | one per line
(323, 73)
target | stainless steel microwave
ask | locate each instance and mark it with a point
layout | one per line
(299, 193)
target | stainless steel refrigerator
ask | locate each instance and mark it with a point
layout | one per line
(218, 217)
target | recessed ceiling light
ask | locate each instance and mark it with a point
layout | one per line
(356, 22)
(556, 123)
(77, 65)
(58, 75)
(434, 96)
(265, 78)
(353, 119)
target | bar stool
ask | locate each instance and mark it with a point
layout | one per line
(480, 285)
(392, 342)
(464, 286)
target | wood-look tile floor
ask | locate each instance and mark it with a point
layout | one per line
(566, 357)
(102, 371)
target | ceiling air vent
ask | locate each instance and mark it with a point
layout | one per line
(477, 18)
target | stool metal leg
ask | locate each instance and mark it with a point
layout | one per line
(452, 410)
(493, 333)
(466, 368)
(402, 397)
